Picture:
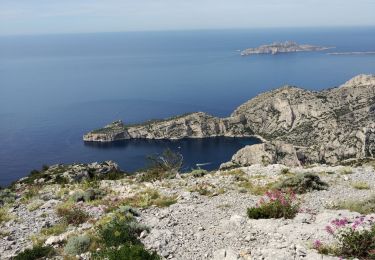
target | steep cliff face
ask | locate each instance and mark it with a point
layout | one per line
(325, 126)
(332, 125)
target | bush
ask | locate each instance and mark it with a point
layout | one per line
(302, 183)
(127, 210)
(352, 240)
(35, 175)
(77, 245)
(198, 173)
(115, 175)
(162, 166)
(88, 195)
(4, 215)
(36, 252)
(73, 215)
(120, 238)
(54, 230)
(120, 230)
(277, 204)
(127, 252)
(7, 196)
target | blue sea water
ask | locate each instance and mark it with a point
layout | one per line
(54, 88)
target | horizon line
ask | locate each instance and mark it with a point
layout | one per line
(191, 30)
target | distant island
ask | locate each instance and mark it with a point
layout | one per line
(352, 53)
(282, 47)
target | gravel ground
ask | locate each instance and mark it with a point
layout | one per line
(215, 225)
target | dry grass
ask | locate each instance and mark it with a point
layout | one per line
(361, 185)
(149, 197)
(4, 215)
(366, 206)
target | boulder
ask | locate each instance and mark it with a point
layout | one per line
(266, 153)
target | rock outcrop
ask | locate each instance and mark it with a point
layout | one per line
(282, 47)
(265, 153)
(323, 126)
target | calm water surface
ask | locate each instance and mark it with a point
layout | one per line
(54, 88)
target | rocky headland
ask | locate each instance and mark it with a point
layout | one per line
(326, 126)
(282, 47)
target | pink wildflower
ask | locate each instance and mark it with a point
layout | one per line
(339, 222)
(329, 230)
(317, 244)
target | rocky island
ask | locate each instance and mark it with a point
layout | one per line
(326, 126)
(282, 47)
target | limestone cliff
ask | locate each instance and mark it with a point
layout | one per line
(323, 126)
(194, 125)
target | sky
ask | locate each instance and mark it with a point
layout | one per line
(76, 16)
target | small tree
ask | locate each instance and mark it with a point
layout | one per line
(167, 161)
(165, 165)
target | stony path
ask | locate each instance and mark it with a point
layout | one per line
(201, 228)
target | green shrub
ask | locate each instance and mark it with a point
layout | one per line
(37, 252)
(77, 245)
(277, 205)
(4, 215)
(127, 252)
(127, 210)
(30, 193)
(7, 196)
(88, 195)
(353, 239)
(35, 175)
(59, 179)
(151, 175)
(115, 175)
(198, 173)
(357, 243)
(54, 230)
(302, 183)
(73, 215)
(121, 231)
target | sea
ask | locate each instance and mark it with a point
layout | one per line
(54, 88)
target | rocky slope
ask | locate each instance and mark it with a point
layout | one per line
(206, 219)
(323, 126)
(282, 47)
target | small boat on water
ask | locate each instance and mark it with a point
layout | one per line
(202, 164)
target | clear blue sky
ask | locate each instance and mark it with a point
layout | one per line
(71, 16)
